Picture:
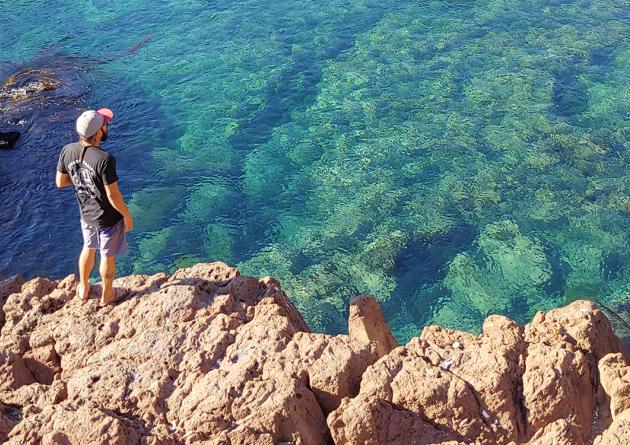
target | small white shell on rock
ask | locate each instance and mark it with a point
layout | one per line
(456, 345)
(446, 364)
(485, 414)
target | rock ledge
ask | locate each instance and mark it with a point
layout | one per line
(207, 356)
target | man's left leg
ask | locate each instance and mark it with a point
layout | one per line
(108, 272)
(112, 243)
(86, 264)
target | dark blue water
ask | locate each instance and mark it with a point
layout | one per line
(454, 159)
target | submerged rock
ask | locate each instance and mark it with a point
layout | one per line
(41, 98)
(209, 356)
(9, 139)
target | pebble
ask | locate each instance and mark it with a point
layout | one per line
(456, 345)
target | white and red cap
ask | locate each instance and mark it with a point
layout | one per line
(91, 121)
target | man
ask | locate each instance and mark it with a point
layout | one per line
(105, 218)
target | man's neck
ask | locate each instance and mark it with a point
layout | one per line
(87, 144)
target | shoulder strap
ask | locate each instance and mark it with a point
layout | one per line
(82, 154)
(84, 150)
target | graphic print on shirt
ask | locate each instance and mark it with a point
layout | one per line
(82, 176)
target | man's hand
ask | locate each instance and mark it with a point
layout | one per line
(128, 223)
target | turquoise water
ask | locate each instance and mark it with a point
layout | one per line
(452, 158)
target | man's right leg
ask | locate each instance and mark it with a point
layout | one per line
(108, 271)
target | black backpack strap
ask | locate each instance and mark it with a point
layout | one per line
(83, 154)
(84, 150)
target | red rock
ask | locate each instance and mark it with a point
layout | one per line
(508, 385)
(557, 385)
(8, 286)
(208, 356)
(579, 325)
(614, 373)
(559, 432)
(65, 424)
(13, 371)
(380, 422)
(411, 379)
(367, 324)
(9, 417)
(615, 379)
(618, 433)
(491, 364)
(331, 366)
(43, 363)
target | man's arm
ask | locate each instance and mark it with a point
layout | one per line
(62, 180)
(116, 200)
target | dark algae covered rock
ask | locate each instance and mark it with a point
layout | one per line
(9, 139)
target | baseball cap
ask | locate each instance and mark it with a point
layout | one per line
(91, 121)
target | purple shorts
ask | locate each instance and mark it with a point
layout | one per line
(111, 241)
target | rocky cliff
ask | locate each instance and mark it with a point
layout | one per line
(207, 356)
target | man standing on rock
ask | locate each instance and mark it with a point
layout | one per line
(105, 218)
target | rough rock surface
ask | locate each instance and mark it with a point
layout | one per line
(366, 323)
(538, 385)
(8, 286)
(207, 356)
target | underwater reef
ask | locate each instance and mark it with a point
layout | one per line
(209, 356)
(452, 160)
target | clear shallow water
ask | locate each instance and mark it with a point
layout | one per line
(454, 159)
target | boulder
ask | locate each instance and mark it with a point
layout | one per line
(8, 286)
(366, 323)
(614, 373)
(509, 385)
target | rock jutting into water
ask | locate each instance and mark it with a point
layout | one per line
(209, 356)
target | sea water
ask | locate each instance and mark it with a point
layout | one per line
(454, 159)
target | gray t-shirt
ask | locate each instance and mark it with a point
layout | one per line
(89, 177)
